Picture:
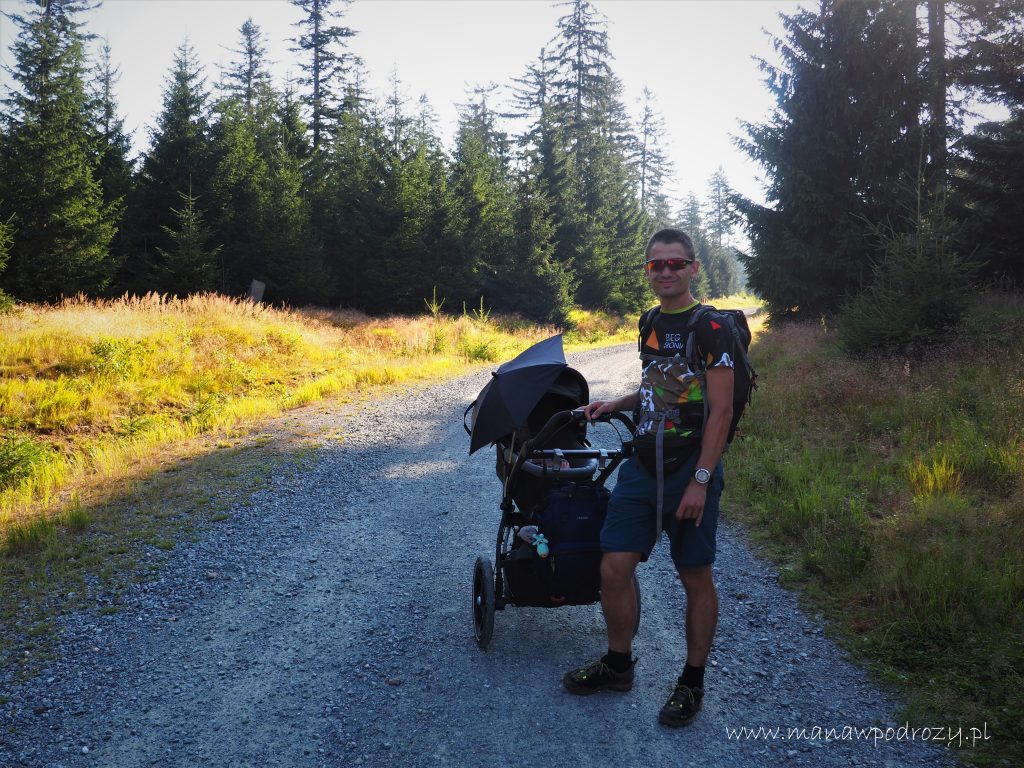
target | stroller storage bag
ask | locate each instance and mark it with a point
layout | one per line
(571, 520)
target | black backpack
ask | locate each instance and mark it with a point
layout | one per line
(745, 377)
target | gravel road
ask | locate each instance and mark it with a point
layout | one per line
(327, 623)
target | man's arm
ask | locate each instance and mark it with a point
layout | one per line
(719, 383)
(625, 403)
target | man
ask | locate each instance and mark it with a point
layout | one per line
(682, 429)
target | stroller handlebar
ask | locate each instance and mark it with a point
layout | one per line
(586, 471)
(608, 418)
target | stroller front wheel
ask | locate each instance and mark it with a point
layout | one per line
(483, 601)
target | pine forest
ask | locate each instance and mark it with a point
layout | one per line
(876, 173)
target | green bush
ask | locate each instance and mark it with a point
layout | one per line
(917, 293)
(19, 456)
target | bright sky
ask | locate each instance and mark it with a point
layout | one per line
(696, 56)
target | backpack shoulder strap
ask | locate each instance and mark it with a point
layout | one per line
(691, 334)
(645, 326)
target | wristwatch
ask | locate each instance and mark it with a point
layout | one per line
(702, 476)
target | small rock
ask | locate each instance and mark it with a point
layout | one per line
(393, 681)
(85, 750)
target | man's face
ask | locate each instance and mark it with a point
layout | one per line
(665, 282)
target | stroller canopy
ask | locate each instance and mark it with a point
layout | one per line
(505, 405)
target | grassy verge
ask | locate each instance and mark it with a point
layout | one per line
(892, 491)
(112, 411)
(89, 390)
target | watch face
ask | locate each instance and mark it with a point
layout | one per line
(702, 476)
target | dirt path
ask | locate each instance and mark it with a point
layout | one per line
(327, 623)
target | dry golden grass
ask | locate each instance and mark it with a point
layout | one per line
(90, 389)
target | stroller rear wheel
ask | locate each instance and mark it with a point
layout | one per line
(483, 601)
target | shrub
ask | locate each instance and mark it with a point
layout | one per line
(19, 456)
(916, 295)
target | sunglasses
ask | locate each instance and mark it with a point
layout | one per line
(656, 265)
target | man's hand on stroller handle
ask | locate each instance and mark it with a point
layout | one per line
(597, 408)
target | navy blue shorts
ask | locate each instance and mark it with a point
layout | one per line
(629, 526)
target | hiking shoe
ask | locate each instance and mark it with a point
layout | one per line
(682, 706)
(596, 677)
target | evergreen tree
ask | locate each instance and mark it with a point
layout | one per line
(654, 166)
(248, 78)
(482, 188)
(444, 262)
(550, 164)
(352, 219)
(293, 139)
(323, 43)
(989, 183)
(179, 162)
(539, 287)
(189, 266)
(240, 200)
(257, 208)
(719, 216)
(603, 233)
(721, 270)
(840, 150)
(691, 221)
(6, 237)
(113, 149)
(62, 226)
(417, 223)
(113, 144)
(720, 263)
(938, 84)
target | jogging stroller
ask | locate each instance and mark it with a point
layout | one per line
(553, 501)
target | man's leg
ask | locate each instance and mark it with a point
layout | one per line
(614, 670)
(701, 619)
(618, 598)
(627, 536)
(701, 613)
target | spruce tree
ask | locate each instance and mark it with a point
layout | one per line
(691, 221)
(720, 260)
(323, 43)
(483, 192)
(654, 167)
(840, 149)
(113, 145)
(719, 216)
(539, 287)
(115, 167)
(605, 225)
(417, 221)
(248, 77)
(257, 209)
(179, 162)
(239, 194)
(6, 236)
(550, 164)
(352, 218)
(189, 265)
(989, 179)
(62, 225)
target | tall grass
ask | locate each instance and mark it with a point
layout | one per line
(893, 489)
(90, 389)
